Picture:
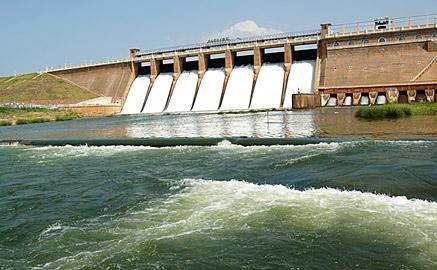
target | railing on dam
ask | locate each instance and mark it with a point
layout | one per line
(383, 25)
(236, 42)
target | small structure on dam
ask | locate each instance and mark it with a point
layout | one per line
(375, 62)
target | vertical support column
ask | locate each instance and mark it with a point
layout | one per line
(132, 77)
(373, 96)
(430, 95)
(411, 95)
(229, 66)
(340, 98)
(393, 95)
(288, 62)
(133, 74)
(322, 53)
(257, 63)
(178, 68)
(203, 67)
(356, 98)
(317, 72)
(155, 69)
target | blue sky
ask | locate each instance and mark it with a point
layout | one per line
(36, 33)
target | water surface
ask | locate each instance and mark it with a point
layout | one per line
(358, 204)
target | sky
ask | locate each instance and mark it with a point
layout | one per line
(35, 34)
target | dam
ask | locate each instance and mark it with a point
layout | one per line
(386, 60)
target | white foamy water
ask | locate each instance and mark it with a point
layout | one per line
(381, 100)
(332, 102)
(137, 94)
(348, 101)
(239, 89)
(183, 94)
(210, 90)
(158, 95)
(300, 80)
(268, 88)
(364, 100)
(224, 209)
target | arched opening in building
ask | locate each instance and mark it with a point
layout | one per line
(403, 97)
(420, 96)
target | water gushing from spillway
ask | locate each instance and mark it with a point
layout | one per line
(268, 88)
(137, 94)
(381, 100)
(239, 89)
(300, 80)
(364, 101)
(183, 94)
(159, 93)
(210, 90)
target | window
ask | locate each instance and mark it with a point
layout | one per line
(366, 41)
(381, 40)
(419, 36)
(434, 35)
(336, 44)
(351, 42)
(402, 38)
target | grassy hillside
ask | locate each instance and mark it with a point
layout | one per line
(33, 88)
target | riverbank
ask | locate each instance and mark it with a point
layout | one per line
(395, 111)
(21, 116)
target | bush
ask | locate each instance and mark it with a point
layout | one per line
(32, 121)
(5, 123)
(68, 116)
(390, 111)
(24, 109)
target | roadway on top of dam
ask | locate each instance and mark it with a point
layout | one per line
(238, 44)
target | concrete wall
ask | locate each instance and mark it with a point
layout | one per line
(96, 110)
(377, 63)
(107, 80)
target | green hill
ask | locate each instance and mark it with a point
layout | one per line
(44, 88)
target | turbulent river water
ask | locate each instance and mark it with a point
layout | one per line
(368, 202)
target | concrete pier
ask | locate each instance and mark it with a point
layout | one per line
(288, 61)
(178, 68)
(229, 66)
(203, 67)
(258, 54)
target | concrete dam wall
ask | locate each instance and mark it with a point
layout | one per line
(341, 65)
(103, 80)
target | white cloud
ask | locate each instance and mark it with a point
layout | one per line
(246, 29)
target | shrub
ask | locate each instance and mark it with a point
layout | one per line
(5, 123)
(390, 111)
(32, 121)
(68, 116)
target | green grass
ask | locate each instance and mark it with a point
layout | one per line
(5, 123)
(33, 88)
(22, 116)
(68, 116)
(32, 121)
(395, 111)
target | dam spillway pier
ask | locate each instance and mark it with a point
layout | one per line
(367, 63)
